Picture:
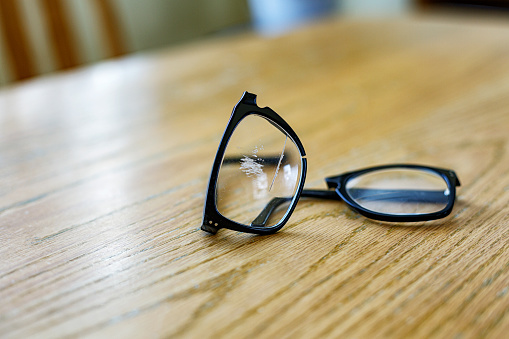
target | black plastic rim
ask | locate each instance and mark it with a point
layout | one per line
(339, 183)
(212, 219)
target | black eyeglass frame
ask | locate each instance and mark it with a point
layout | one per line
(213, 220)
(339, 184)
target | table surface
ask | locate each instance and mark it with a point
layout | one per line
(103, 172)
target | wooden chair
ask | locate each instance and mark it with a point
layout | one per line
(51, 28)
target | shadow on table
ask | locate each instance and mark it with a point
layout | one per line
(292, 231)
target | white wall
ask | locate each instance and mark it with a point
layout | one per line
(155, 23)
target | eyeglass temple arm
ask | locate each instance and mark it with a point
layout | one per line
(262, 218)
(358, 193)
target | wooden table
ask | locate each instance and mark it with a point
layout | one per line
(103, 172)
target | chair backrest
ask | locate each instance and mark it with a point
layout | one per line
(42, 36)
(47, 35)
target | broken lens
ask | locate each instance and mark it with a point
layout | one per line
(261, 169)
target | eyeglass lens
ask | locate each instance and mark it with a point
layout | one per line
(260, 163)
(400, 191)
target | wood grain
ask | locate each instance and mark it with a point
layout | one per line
(103, 172)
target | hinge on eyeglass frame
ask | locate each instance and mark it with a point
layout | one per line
(210, 226)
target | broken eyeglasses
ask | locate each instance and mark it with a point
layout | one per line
(260, 167)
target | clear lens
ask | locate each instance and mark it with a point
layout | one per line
(400, 191)
(259, 174)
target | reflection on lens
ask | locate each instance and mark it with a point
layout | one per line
(400, 191)
(259, 174)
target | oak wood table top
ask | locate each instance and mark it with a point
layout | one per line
(103, 172)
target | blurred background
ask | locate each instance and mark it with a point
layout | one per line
(43, 36)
